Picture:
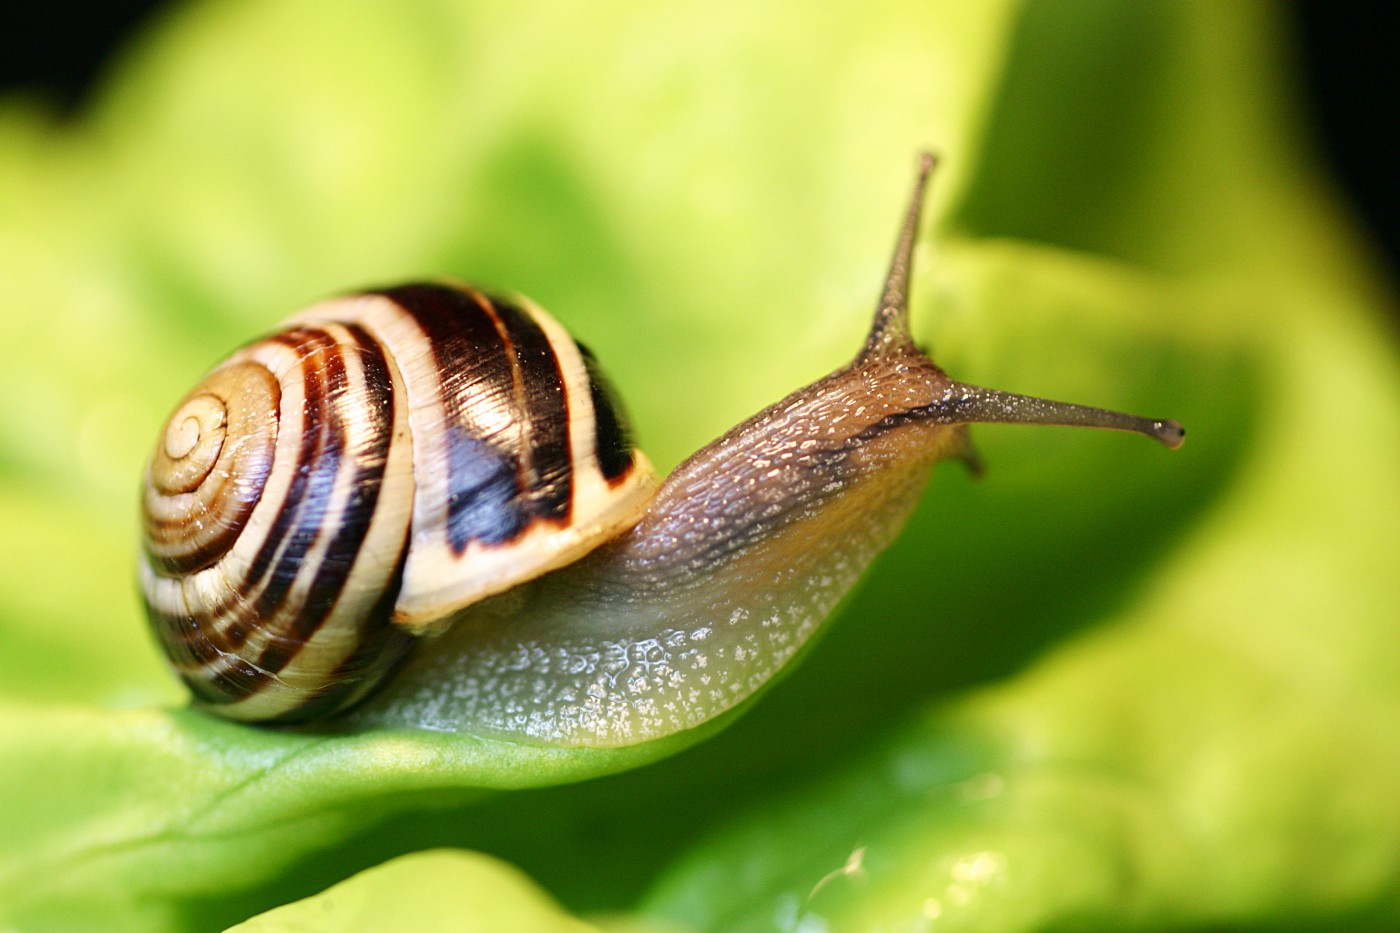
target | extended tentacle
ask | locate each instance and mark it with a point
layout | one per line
(969, 404)
(890, 331)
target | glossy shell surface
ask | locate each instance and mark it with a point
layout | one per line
(381, 462)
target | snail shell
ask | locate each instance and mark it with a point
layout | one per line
(382, 461)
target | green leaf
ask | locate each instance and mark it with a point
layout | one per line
(445, 890)
(250, 158)
(1106, 686)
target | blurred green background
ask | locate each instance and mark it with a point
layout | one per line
(1105, 688)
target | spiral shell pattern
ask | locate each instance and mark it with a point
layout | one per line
(386, 459)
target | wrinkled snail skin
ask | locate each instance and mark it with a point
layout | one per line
(488, 505)
(746, 550)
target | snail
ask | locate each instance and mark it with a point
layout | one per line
(431, 463)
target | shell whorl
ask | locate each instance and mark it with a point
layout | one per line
(381, 462)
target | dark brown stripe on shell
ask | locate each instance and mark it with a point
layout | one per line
(325, 378)
(306, 343)
(548, 470)
(379, 646)
(224, 685)
(612, 442)
(184, 639)
(212, 675)
(478, 376)
(377, 406)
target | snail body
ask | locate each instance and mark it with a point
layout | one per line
(429, 463)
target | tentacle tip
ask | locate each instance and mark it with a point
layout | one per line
(1170, 433)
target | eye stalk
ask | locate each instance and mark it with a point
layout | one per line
(890, 332)
(969, 404)
(961, 403)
